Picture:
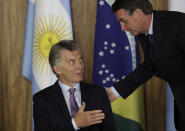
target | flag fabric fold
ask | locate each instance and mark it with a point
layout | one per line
(115, 56)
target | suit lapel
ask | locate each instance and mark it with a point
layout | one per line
(83, 92)
(158, 32)
(60, 100)
(84, 95)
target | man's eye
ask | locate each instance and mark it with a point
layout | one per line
(71, 61)
(81, 60)
(123, 21)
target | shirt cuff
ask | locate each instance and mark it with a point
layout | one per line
(74, 124)
(115, 92)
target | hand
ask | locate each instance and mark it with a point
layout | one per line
(88, 118)
(110, 94)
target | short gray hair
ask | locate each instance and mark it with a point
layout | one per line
(55, 52)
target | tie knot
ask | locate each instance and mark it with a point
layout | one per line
(72, 90)
(150, 37)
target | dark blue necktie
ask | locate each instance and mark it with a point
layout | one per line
(151, 45)
(150, 38)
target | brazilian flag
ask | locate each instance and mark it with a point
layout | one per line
(115, 56)
(129, 113)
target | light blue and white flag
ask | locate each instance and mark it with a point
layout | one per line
(173, 5)
(48, 22)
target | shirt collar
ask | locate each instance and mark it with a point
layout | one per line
(65, 88)
(150, 32)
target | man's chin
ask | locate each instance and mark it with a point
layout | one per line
(79, 79)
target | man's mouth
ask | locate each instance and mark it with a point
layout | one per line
(79, 73)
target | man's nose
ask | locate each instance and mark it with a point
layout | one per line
(80, 65)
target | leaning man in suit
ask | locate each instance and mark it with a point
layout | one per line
(162, 37)
(70, 104)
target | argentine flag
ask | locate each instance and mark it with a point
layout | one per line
(48, 22)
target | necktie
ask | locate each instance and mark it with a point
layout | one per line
(73, 104)
(151, 45)
(150, 38)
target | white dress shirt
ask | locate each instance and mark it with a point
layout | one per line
(77, 95)
(151, 27)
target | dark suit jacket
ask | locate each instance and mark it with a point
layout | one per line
(168, 63)
(50, 110)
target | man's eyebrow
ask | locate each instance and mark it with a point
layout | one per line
(121, 20)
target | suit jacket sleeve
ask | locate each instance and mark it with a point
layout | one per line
(140, 75)
(181, 33)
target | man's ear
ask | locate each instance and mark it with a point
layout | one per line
(56, 69)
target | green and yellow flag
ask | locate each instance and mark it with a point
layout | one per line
(129, 113)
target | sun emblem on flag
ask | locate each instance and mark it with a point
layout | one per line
(47, 32)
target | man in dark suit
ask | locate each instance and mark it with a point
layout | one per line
(56, 108)
(162, 37)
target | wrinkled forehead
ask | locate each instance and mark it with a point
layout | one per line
(71, 54)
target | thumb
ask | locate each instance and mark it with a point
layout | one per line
(82, 107)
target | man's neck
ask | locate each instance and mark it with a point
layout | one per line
(68, 83)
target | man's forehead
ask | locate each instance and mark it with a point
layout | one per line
(74, 53)
(120, 13)
(69, 51)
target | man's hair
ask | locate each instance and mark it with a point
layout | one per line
(55, 52)
(132, 5)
